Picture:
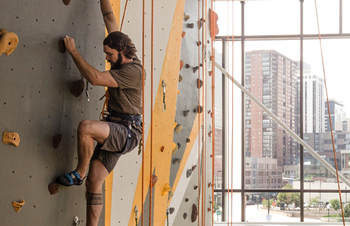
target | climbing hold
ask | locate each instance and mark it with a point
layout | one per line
(209, 184)
(199, 109)
(178, 145)
(181, 64)
(154, 180)
(187, 66)
(191, 25)
(162, 148)
(188, 173)
(195, 187)
(53, 188)
(199, 83)
(185, 215)
(183, 34)
(18, 205)
(175, 124)
(176, 160)
(195, 69)
(199, 24)
(199, 43)
(194, 213)
(11, 138)
(186, 112)
(77, 87)
(188, 140)
(186, 17)
(166, 189)
(180, 78)
(209, 209)
(175, 147)
(210, 73)
(56, 140)
(178, 128)
(8, 42)
(66, 2)
(61, 46)
(193, 167)
(171, 210)
(178, 92)
(213, 19)
(170, 194)
(186, 199)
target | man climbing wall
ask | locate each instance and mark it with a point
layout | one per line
(120, 130)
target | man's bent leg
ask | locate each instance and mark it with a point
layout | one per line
(88, 131)
(97, 175)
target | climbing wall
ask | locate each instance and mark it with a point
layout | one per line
(37, 104)
(180, 138)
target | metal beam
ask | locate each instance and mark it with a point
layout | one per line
(286, 128)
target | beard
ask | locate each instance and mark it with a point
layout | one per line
(117, 64)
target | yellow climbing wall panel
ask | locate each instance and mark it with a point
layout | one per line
(163, 124)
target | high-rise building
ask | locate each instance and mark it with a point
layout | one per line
(338, 113)
(271, 78)
(313, 102)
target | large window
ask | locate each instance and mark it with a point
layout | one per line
(272, 48)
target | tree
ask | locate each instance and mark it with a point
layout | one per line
(335, 204)
(265, 203)
(308, 177)
(314, 201)
(288, 197)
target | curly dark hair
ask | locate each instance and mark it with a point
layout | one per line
(121, 42)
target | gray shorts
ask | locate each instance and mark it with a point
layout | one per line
(113, 147)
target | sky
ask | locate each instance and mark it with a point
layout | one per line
(275, 17)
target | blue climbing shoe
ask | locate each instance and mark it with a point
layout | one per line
(69, 179)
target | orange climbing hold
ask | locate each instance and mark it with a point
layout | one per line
(8, 42)
(18, 205)
(181, 64)
(53, 188)
(166, 189)
(11, 138)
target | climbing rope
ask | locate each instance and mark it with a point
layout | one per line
(143, 107)
(213, 108)
(121, 25)
(329, 115)
(151, 151)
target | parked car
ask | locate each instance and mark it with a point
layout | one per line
(250, 202)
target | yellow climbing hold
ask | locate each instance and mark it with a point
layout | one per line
(18, 205)
(11, 138)
(166, 189)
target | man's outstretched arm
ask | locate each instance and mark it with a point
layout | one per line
(94, 76)
(108, 16)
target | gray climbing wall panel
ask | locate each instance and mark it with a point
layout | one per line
(36, 103)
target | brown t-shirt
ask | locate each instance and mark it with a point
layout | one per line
(127, 98)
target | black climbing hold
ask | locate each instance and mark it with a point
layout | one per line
(187, 66)
(195, 187)
(195, 69)
(186, 113)
(186, 199)
(188, 173)
(191, 25)
(193, 167)
(171, 210)
(185, 215)
(188, 140)
(77, 87)
(61, 46)
(178, 145)
(56, 140)
(194, 213)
